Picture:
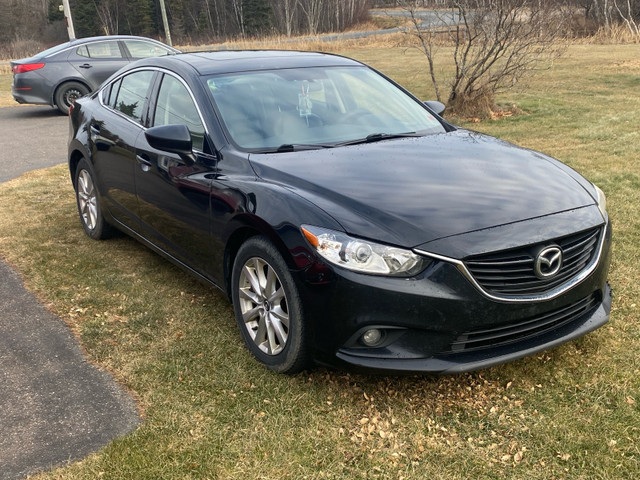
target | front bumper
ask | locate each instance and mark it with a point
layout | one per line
(457, 362)
(439, 322)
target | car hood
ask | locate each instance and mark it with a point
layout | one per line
(415, 190)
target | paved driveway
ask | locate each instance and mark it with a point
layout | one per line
(31, 138)
(55, 407)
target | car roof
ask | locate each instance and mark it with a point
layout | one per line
(78, 41)
(66, 46)
(81, 41)
(210, 63)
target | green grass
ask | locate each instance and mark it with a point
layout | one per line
(211, 412)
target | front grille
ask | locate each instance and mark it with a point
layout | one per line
(511, 272)
(505, 334)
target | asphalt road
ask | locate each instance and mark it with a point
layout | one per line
(31, 138)
(55, 407)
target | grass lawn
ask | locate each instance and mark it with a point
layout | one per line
(212, 412)
(6, 99)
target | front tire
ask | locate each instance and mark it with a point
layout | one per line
(88, 203)
(267, 307)
(67, 93)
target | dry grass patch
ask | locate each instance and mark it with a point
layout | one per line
(307, 43)
(615, 35)
(6, 99)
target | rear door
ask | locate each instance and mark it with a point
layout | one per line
(97, 61)
(114, 132)
(174, 195)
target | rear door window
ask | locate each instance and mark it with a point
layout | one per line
(109, 49)
(132, 95)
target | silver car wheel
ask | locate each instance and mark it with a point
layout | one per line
(263, 304)
(67, 93)
(87, 200)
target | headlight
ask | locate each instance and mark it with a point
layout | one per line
(602, 201)
(362, 255)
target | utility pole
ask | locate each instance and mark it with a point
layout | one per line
(165, 22)
(68, 20)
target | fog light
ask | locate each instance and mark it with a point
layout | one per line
(371, 337)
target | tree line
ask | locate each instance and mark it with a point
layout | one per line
(190, 21)
(198, 20)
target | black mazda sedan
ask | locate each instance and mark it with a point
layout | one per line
(349, 224)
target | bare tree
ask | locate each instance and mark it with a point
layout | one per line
(495, 44)
(627, 16)
(238, 6)
(313, 10)
(285, 15)
(108, 12)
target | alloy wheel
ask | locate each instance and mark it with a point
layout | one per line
(87, 200)
(263, 304)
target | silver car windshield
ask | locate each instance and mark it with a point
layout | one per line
(322, 107)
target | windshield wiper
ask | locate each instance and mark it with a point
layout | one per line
(294, 147)
(376, 137)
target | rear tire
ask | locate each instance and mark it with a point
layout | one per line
(268, 307)
(88, 203)
(67, 93)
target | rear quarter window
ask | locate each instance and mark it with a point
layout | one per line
(142, 49)
(113, 93)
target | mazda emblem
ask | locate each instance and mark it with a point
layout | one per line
(548, 262)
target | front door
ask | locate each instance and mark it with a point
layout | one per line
(173, 195)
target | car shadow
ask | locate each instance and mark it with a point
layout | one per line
(38, 111)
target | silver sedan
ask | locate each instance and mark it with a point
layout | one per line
(61, 74)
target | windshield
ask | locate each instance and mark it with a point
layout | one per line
(320, 106)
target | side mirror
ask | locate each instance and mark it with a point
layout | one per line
(437, 107)
(173, 139)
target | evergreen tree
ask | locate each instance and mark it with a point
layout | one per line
(85, 20)
(139, 17)
(257, 17)
(54, 13)
(177, 13)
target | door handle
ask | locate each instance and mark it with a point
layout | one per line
(145, 163)
(86, 65)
